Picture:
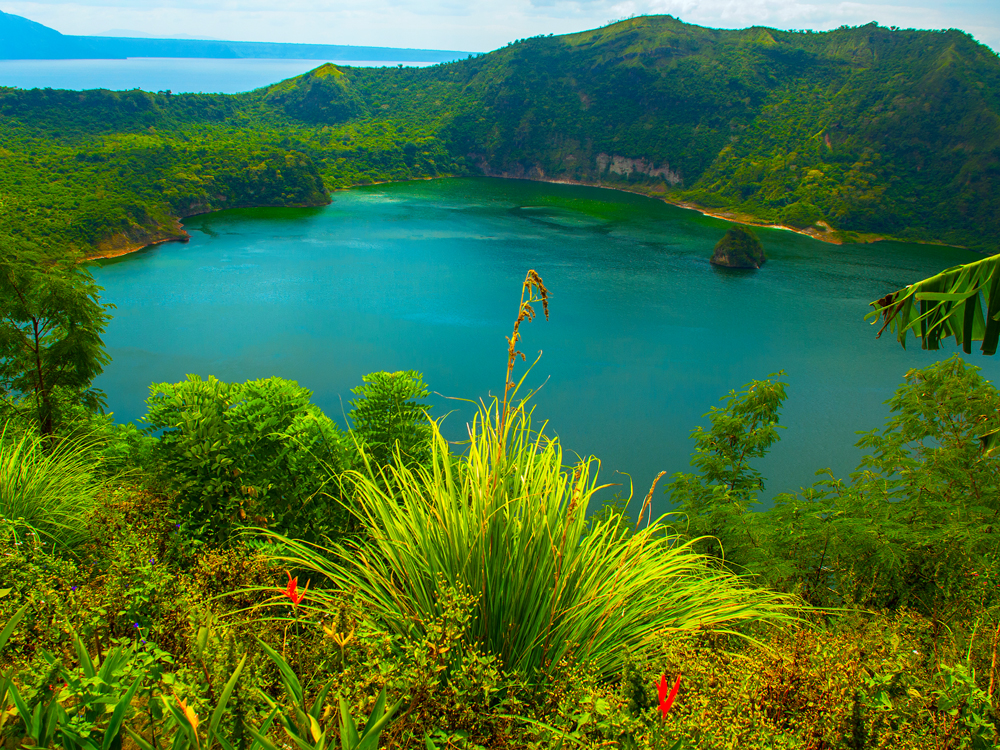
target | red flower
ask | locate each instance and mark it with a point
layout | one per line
(292, 590)
(666, 701)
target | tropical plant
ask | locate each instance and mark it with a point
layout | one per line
(242, 454)
(390, 419)
(947, 304)
(717, 500)
(507, 522)
(912, 527)
(50, 331)
(303, 721)
(950, 303)
(46, 493)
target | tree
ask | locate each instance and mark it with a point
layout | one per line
(717, 501)
(390, 416)
(51, 321)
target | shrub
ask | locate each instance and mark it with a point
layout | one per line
(389, 417)
(254, 453)
(801, 214)
(914, 526)
(507, 523)
(739, 248)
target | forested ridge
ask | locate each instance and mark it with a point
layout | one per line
(849, 134)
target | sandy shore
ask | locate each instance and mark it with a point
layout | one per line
(825, 234)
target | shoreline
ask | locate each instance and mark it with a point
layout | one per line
(117, 248)
(828, 235)
(126, 243)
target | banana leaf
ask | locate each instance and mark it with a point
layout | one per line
(952, 303)
(963, 302)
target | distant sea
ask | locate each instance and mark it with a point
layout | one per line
(176, 74)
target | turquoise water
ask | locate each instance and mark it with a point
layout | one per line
(644, 337)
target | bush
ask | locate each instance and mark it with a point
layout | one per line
(507, 523)
(914, 526)
(739, 248)
(248, 454)
(801, 214)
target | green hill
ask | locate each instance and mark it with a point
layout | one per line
(849, 134)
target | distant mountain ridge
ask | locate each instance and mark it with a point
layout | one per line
(23, 39)
(855, 134)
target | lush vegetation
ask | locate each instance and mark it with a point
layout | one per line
(845, 134)
(469, 596)
(739, 248)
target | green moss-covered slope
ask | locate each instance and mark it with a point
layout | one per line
(849, 134)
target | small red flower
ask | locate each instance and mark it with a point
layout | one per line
(666, 701)
(292, 590)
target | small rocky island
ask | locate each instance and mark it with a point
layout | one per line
(740, 248)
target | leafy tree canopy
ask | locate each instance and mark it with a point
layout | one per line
(51, 323)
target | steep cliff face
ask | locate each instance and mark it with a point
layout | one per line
(866, 130)
(625, 167)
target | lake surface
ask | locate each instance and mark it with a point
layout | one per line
(177, 74)
(644, 337)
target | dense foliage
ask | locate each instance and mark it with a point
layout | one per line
(853, 132)
(739, 248)
(471, 602)
(50, 334)
(248, 454)
(462, 598)
(913, 527)
(389, 418)
(411, 618)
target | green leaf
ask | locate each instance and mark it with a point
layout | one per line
(220, 708)
(377, 722)
(931, 308)
(292, 684)
(84, 656)
(261, 740)
(139, 740)
(111, 733)
(348, 729)
(12, 623)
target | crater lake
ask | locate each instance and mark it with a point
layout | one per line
(645, 335)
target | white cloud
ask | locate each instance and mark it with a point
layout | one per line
(480, 26)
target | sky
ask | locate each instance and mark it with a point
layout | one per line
(478, 25)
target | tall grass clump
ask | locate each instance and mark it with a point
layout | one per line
(506, 522)
(46, 492)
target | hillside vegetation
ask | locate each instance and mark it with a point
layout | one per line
(848, 134)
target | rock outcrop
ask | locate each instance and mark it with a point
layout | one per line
(739, 248)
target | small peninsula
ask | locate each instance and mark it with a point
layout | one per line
(739, 248)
